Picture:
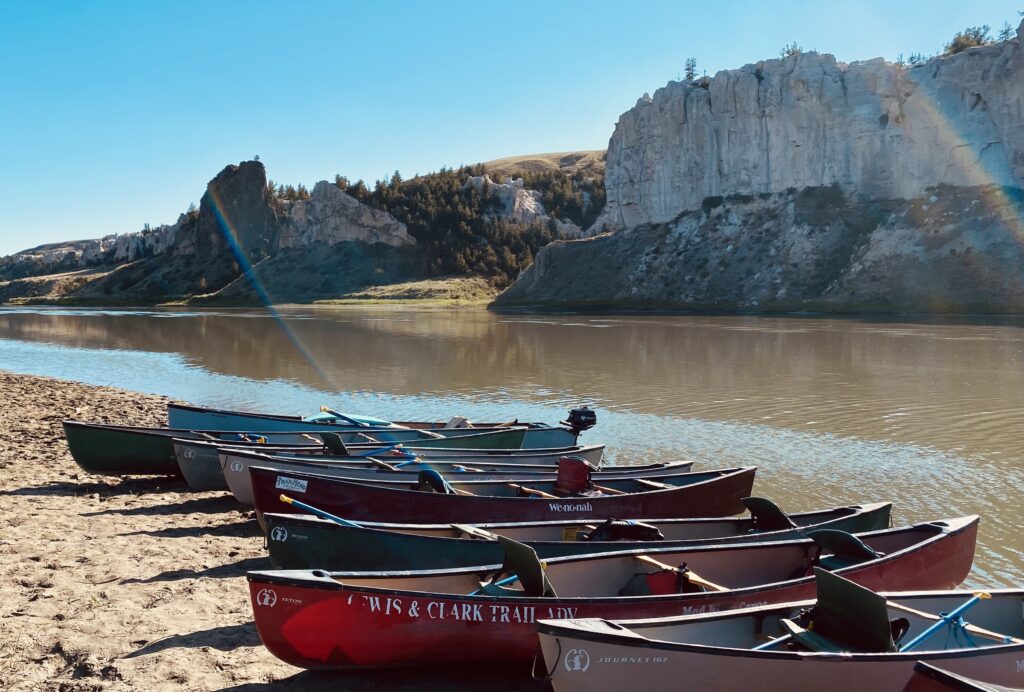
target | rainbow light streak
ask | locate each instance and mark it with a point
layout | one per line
(227, 229)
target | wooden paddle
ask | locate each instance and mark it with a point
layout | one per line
(690, 575)
(973, 629)
(381, 464)
(531, 491)
(654, 485)
(610, 491)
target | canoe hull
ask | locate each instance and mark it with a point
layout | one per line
(115, 452)
(314, 620)
(295, 542)
(234, 468)
(579, 664)
(719, 495)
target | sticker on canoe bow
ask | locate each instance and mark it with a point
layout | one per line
(576, 660)
(236, 465)
(570, 507)
(279, 533)
(266, 597)
(190, 453)
(293, 484)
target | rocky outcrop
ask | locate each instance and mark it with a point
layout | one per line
(519, 204)
(881, 130)
(806, 184)
(55, 258)
(955, 250)
(331, 216)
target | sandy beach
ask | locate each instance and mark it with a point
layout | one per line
(136, 584)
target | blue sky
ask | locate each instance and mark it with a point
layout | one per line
(115, 114)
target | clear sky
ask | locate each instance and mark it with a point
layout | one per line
(116, 113)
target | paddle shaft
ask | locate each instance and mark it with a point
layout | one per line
(949, 618)
(691, 576)
(319, 512)
(345, 418)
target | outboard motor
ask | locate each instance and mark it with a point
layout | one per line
(580, 419)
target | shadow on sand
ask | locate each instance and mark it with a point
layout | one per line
(461, 677)
(249, 528)
(224, 638)
(203, 505)
(133, 486)
(233, 569)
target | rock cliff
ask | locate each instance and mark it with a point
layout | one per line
(806, 184)
(330, 216)
(876, 128)
(955, 250)
(519, 204)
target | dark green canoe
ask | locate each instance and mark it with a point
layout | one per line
(121, 450)
(303, 542)
(111, 450)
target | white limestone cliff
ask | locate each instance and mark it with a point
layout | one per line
(878, 129)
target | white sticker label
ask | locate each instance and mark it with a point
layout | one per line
(293, 484)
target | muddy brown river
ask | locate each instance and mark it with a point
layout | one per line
(926, 413)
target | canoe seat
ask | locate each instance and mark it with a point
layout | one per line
(521, 560)
(334, 444)
(431, 480)
(846, 618)
(841, 549)
(767, 515)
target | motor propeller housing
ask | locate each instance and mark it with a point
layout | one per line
(580, 419)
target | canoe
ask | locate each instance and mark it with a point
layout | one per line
(132, 450)
(703, 494)
(929, 678)
(714, 651)
(319, 619)
(304, 542)
(233, 466)
(182, 416)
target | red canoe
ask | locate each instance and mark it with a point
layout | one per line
(314, 619)
(703, 494)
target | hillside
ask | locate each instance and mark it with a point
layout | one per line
(803, 183)
(251, 241)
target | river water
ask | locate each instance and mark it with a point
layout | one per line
(928, 414)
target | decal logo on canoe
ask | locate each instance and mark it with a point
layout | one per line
(570, 507)
(576, 660)
(293, 484)
(236, 465)
(266, 597)
(190, 453)
(279, 533)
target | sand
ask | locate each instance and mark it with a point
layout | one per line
(136, 584)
